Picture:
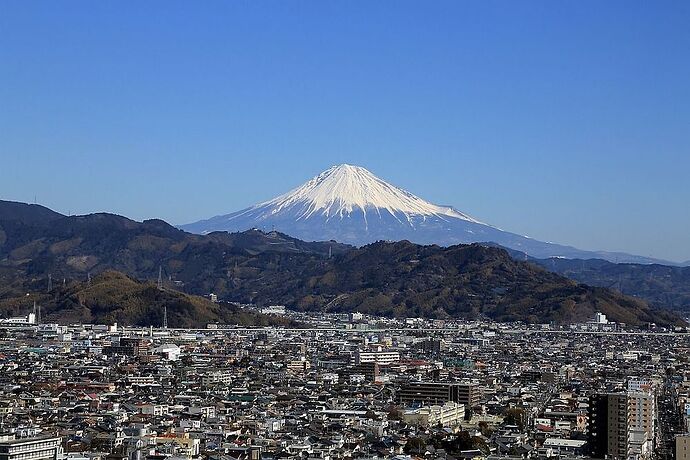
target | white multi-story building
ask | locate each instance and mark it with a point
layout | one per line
(381, 357)
(600, 318)
(37, 448)
(154, 409)
(29, 319)
(217, 377)
(171, 352)
(141, 380)
(204, 411)
(447, 415)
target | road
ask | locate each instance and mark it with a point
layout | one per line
(670, 422)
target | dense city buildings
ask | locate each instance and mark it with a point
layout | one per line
(341, 387)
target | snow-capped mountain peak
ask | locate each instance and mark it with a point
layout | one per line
(344, 189)
(351, 205)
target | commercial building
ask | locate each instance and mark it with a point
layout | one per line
(448, 415)
(683, 447)
(37, 448)
(468, 394)
(382, 358)
(621, 425)
(370, 371)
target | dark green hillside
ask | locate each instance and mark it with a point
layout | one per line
(395, 279)
(112, 297)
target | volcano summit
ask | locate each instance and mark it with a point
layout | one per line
(351, 205)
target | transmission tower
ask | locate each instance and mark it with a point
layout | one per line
(50, 283)
(165, 317)
(160, 278)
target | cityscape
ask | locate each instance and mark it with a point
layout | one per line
(344, 230)
(343, 386)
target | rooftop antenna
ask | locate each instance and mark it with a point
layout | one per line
(160, 278)
(165, 317)
(50, 282)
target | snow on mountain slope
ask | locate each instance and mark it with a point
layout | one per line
(344, 188)
(351, 205)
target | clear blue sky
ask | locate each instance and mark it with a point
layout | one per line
(567, 121)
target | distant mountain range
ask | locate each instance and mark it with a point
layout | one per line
(396, 279)
(351, 205)
(661, 285)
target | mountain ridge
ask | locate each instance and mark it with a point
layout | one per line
(351, 205)
(113, 297)
(395, 279)
(26, 212)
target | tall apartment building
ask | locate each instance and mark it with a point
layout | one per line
(468, 394)
(37, 448)
(621, 425)
(683, 447)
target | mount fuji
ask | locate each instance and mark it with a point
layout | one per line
(351, 205)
